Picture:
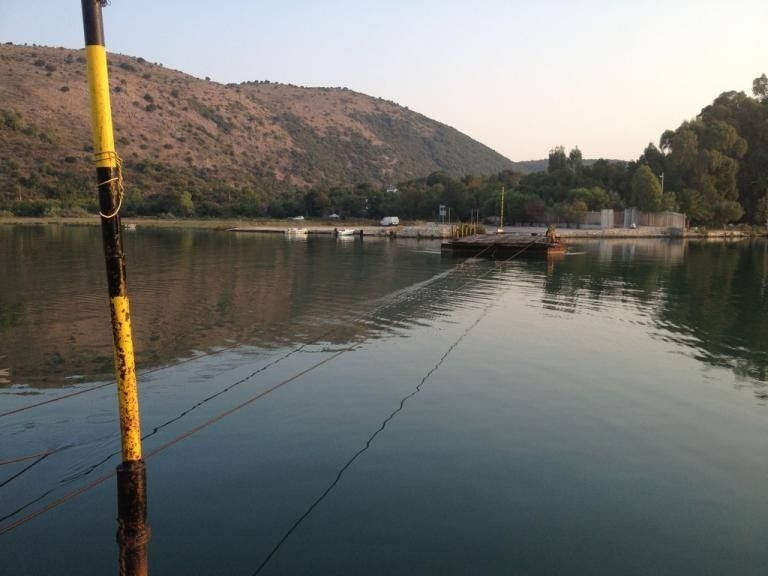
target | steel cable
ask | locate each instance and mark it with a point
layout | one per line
(101, 479)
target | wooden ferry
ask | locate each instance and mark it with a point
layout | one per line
(504, 246)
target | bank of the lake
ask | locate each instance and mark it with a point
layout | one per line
(415, 229)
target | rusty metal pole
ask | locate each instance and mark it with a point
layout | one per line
(132, 528)
(132, 532)
(109, 174)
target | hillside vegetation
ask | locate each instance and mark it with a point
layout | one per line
(714, 168)
(196, 146)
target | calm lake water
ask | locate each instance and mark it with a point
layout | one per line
(396, 411)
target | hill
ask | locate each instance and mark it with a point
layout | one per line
(253, 140)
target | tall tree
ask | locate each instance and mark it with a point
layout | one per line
(749, 117)
(646, 190)
(703, 155)
(557, 160)
(575, 160)
(653, 157)
(760, 87)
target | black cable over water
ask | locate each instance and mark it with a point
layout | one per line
(383, 425)
(101, 479)
(51, 400)
(159, 427)
(156, 429)
(105, 477)
(105, 384)
(28, 457)
(316, 339)
(291, 352)
(219, 351)
(35, 463)
(368, 444)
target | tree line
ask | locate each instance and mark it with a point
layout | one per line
(714, 168)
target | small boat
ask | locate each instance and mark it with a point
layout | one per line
(295, 231)
(345, 231)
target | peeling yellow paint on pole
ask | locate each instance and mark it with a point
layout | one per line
(101, 108)
(108, 172)
(125, 372)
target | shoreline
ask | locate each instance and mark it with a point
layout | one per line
(368, 228)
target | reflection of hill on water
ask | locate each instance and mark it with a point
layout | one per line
(708, 296)
(195, 291)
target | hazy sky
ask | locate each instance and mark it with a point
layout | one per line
(520, 77)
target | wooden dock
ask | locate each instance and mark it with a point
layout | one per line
(504, 246)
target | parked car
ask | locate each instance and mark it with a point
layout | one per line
(298, 218)
(390, 221)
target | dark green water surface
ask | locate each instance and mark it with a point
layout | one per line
(395, 411)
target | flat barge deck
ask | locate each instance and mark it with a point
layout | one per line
(503, 246)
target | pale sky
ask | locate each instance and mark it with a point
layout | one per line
(521, 77)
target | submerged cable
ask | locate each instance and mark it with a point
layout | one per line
(28, 457)
(211, 421)
(205, 400)
(56, 399)
(77, 492)
(367, 445)
(380, 429)
(236, 345)
(29, 466)
(390, 302)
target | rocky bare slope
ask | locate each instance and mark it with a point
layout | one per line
(178, 132)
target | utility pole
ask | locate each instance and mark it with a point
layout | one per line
(132, 533)
(500, 230)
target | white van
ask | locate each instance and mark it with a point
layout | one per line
(390, 221)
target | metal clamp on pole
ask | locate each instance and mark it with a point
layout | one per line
(109, 180)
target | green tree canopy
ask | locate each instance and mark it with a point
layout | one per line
(575, 160)
(760, 87)
(646, 190)
(557, 159)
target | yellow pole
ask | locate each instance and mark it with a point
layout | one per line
(108, 171)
